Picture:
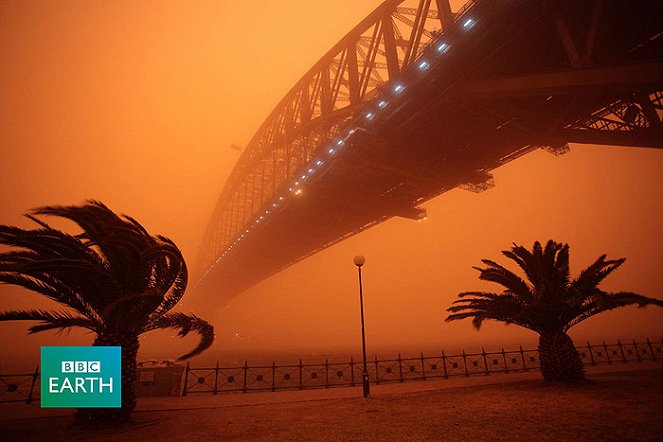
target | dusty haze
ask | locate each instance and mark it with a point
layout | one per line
(137, 103)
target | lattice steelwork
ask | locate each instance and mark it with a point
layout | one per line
(315, 111)
(417, 100)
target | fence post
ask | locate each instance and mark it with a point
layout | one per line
(273, 375)
(423, 367)
(444, 365)
(400, 367)
(352, 372)
(326, 373)
(506, 366)
(186, 379)
(377, 371)
(522, 358)
(621, 349)
(246, 369)
(591, 355)
(32, 387)
(485, 361)
(216, 377)
(637, 353)
(607, 353)
(651, 350)
(301, 378)
(467, 373)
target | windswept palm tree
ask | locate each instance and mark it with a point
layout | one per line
(549, 303)
(115, 279)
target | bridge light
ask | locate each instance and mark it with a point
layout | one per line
(424, 65)
(468, 23)
(444, 47)
(298, 192)
(274, 205)
(281, 198)
(304, 177)
(311, 170)
(295, 184)
(331, 151)
(318, 163)
(370, 115)
(352, 131)
(340, 143)
(266, 212)
(382, 104)
(399, 88)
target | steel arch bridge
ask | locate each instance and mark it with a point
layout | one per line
(417, 100)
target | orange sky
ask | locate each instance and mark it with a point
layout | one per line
(136, 103)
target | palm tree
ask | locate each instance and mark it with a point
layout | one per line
(115, 279)
(549, 304)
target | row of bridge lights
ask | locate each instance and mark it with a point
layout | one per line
(312, 167)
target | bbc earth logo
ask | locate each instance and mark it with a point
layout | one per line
(81, 377)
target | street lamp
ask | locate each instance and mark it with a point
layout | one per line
(359, 261)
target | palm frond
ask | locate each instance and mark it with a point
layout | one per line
(119, 241)
(500, 275)
(54, 290)
(507, 308)
(602, 302)
(562, 268)
(525, 260)
(592, 276)
(553, 303)
(50, 320)
(487, 295)
(175, 290)
(130, 312)
(115, 274)
(186, 324)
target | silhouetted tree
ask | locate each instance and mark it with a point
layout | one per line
(116, 279)
(549, 304)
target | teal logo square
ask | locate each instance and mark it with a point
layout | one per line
(81, 377)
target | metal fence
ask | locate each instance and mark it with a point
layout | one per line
(302, 376)
(251, 378)
(23, 387)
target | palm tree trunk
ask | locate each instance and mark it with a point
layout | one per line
(559, 359)
(129, 344)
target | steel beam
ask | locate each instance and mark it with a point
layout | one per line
(634, 138)
(571, 82)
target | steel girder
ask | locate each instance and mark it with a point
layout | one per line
(533, 73)
(313, 112)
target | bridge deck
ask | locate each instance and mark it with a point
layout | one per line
(500, 82)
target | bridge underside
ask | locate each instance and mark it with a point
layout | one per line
(530, 74)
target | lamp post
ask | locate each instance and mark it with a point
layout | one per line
(359, 261)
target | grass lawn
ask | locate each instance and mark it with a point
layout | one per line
(623, 406)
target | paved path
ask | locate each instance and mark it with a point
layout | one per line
(617, 406)
(210, 401)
